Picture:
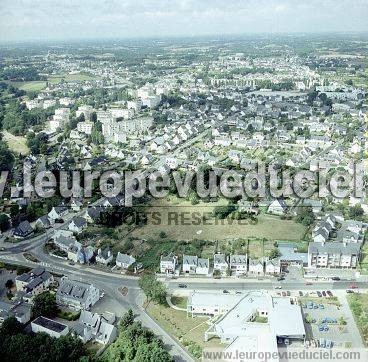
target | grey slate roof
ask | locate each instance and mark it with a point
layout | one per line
(334, 248)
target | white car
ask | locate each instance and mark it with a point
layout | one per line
(278, 287)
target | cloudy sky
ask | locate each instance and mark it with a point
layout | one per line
(75, 19)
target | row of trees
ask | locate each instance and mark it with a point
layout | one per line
(16, 345)
(136, 343)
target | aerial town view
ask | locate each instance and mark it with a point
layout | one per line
(183, 180)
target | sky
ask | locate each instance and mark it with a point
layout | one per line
(22, 20)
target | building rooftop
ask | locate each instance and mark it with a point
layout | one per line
(50, 324)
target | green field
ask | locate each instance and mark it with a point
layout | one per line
(17, 144)
(38, 85)
(179, 221)
(186, 330)
(359, 306)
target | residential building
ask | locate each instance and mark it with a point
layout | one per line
(272, 267)
(95, 326)
(238, 264)
(23, 230)
(333, 255)
(20, 310)
(124, 260)
(255, 267)
(34, 282)
(220, 263)
(278, 207)
(168, 264)
(104, 256)
(190, 264)
(76, 295)
(203, 266)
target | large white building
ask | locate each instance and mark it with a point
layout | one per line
(85, 127)
(59, 119)
(116, 128)
(254, 321)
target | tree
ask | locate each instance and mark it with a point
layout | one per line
(37, 143)
(305, 215)
(356, 212)
(274, 253)
(136, 343)
(6, 157)
(153, 288)
(4, 222)
(96, 134)
(342, 321)
(127, 319)
(9, 284)
(45, 304)
(10, 327)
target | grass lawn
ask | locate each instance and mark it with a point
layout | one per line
(17, 144)
(35, 85)
(182, 221)
(321, 300)
(364, 262)
(359, 306)
(186, 330)
(38, 85)
(57, 78)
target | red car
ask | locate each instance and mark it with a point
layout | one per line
(353, 286)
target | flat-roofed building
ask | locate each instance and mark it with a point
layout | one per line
(52, 328)
(254, 320)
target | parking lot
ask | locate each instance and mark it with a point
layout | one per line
(325, 320)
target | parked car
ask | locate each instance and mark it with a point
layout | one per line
(350, 291)
(324, 294)
(353, 286)
(300, 293)
(288, 293)
(319, 293)
(277, 286)
(225, 292)
(182, 286)
(329, 293)
(335, 278)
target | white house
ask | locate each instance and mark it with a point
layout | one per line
(220, 263)
(124, 260)
(272, 267)
(255, 267)
(190, 264)
(168, 264)
(277, 207)
(77, 224)
(203, 266)
(104, 256)
(238, 264)
(58, 212)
